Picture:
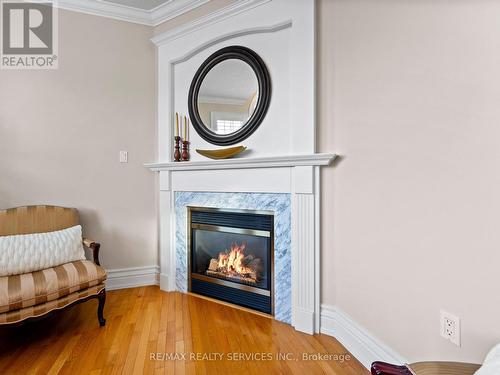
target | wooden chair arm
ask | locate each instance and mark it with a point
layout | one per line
(95, 246)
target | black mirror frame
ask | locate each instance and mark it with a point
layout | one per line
(257, 64)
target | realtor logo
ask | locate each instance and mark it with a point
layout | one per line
(29, 37)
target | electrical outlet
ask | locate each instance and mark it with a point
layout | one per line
(450, 327)
(123, 157)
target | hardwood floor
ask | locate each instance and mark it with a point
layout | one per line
(142, 322)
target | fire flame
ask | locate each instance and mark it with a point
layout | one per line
(231, 262)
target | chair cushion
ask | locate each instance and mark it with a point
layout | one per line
(19, 315)
(30, 289)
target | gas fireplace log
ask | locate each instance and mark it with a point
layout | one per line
(256, 265)
(239, 279)
(248, 259)
(213, 265)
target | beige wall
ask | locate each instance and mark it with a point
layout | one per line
(409, 94)
(61, 132)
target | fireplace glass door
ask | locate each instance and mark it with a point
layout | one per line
(231, 256)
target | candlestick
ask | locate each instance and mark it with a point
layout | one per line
(176, 124)
(177, 153)
(185, 151)
(185, 129)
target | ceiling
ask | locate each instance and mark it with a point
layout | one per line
(146, 12)
(139, 4)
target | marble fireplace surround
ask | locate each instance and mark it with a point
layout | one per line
(280, 204)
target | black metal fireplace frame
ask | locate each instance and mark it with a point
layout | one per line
(221, 282)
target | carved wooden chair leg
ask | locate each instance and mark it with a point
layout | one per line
(100, 309)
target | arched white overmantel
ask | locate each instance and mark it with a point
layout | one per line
(282, 157)
(210, 45)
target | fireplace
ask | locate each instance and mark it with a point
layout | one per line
(231, 256)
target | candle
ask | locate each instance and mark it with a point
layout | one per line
(185, 129)
(188, 129)
(176, 124)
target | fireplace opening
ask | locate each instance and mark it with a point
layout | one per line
(231, 256)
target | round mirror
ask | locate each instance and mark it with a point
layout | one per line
(226, 99)
(229, 95)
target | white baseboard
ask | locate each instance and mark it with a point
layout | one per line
(132, 277)
(357, 340)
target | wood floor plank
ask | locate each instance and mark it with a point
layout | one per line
(162, 333)
(153, 332)
(141, 354)
(170, 339)
(63, 355)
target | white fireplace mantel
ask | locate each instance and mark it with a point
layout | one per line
(294, 175)
(262, 162)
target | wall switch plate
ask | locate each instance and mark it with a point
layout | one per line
(450, 327)
(123, 157)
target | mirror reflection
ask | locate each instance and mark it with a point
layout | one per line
(228, 96)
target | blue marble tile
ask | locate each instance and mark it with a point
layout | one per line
(279, 203)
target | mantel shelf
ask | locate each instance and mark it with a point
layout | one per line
(241, 163)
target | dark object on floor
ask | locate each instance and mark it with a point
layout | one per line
(425, 368)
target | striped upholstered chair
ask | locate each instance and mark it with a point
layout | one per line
(32, 295)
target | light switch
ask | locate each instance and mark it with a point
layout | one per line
(123, 157)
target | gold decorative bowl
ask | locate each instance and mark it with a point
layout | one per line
(223, 153)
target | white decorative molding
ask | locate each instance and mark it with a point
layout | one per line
(132, 277)
(256, 180)
(104, 9)
(356, 339)
(172, 9)
(303, 263)
(277, 30)
(153, 17)
(243, 163)
(236, 7)
(316, 188)
(232, 35)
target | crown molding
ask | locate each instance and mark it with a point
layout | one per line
(236, 7)
(108, 10)
(153, 17)
(172, 9)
